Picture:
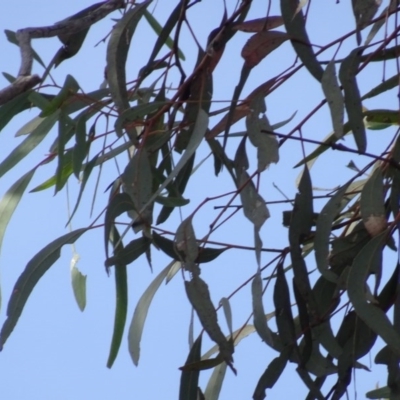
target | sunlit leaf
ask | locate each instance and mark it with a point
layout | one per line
(26, 282)
(10, 200)
(28, 144)
(140, 314)
(378, 25)
(29, 127)
(214, 384)
(383, 87)
(228, 313)
(78, 283)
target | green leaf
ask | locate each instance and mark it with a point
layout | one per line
(352, 98)
(135, 113)
(372, 204)
(140, 314)
(70, 88)
(270, 376)
(334, 98)
(137, 181)
(163, 36)
(364, 11)
(14, 107)
(214, 385)
(78, 283)
(186, 245)
(118, 204)
(172, 201)
(161, 32)
(323, 233)
(267, 145)
(81, 146)
(117, 53)
(121, 304)
(34, 270)
(28, 144)
(380, 393)
(12, 38)
(295, 25)
(29, 127)
(130, 252)
(190, 379)
(367, 260)
(205, 254)
(388, 84)
(199, 297)
(10, 200)
(195, 140)
(226, 306)
(260, 319)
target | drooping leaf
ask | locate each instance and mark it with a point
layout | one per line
(118, 204)
(372, 204)
(117, 53)
(352, 98)
(295, 25)
(270, 376)
(377, 26)
(10, 200)
(259, 24)
(364, 11)
(28, 144)
(186, 245)
(140, 314)
(199, 296)
(121, 304)
(190, 379)
(367, 260)
(334, 98)
(78, 283)
(14, 107)
(260, 45)
(137, 182)
(257, 128)
(254, 206)
(214, 384)
(33, 272)
(224, 302)
(195, 140)
(260, 319)
(323, 232)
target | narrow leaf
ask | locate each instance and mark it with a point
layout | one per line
(34, 270)
(121, 304)
(78, 283)
(10, 200)
(214, 384)
(140, 314)
(352, 98)
(334, 98)
(259, 24)
(295, 25)
(28, 144)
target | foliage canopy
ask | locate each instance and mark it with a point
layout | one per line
(331, 268)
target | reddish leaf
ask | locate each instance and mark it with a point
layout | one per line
(260, 45)
(260, 24)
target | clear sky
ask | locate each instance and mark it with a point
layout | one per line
(58, 352)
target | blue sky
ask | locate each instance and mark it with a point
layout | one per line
(58, 352)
